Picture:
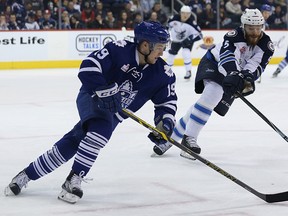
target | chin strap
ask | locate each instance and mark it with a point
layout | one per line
(145, 55)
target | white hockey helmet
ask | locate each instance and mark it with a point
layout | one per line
(252, 17)
(185, 9)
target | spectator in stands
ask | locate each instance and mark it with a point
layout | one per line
(137, 20)
(136, 7)
(100, 10)
(278, 19)
(234, 11)
(12, 24)
(3, 23)
(88, 17)
(208, 18)
(65, 20)
(30, 23)
(18, 9)
(266, 11)
(7, 12)
(47, 22)
(153, 17)
(76, 23)
(147, 6)
(71, 10)
(36, 5)
(247, 4)
(161, 15)
(38, 16)
(110, 20)
(197, 6)
(99, 22)
(123, 21)
(77, 6)
(3, 4)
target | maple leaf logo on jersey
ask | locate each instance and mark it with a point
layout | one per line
(127, 93)
(120, 43)
(168, 70)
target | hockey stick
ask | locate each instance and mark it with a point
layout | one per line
(263, 117)
(270, 198)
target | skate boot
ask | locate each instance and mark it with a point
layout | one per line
(71, 189)
(275, 74)
(17, 183)
(191, 143)
(188, 75)
(161, 148)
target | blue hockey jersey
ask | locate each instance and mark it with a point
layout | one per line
(117, 62)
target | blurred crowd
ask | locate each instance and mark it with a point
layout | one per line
(108, 14)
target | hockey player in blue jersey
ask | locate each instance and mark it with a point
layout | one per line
(281, 65)
(225, 70)
(184, 32)
(120, 75)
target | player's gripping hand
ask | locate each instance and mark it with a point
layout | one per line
(249, 85)
(109, 98)
(233, 83)
(166, 125)
(188, 41)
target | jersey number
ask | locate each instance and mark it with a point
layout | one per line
(171, 90)
(102, 53)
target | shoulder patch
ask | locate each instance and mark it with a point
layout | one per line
(168, 70)
(120, 43)
(270, 46)
(232, 33)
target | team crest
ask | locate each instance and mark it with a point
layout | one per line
(127, 93)
(232, 33)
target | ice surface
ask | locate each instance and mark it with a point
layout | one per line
(37, 107)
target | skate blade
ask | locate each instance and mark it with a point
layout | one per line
(68, 197)
(187, 156)
(155, 155)
(8, 192)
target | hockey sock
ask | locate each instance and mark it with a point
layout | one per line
(88, 151)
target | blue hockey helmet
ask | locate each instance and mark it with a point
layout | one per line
(266, 7)
(152, 32)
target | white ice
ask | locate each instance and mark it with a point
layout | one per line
(37, 107)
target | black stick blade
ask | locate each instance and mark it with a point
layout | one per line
(279, 197)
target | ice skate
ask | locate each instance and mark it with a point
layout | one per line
(188, 75)
(71, 189)
(161, 148)
(275, 74)
(191, 143)
(17, 183)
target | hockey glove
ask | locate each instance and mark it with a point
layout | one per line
(109, 98)
(233, 83)
(166, 125)
(188, 41)
(249, 85)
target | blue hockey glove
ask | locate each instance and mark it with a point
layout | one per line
(109, 98)
(249, 85)
(233, 83)
(188, 41)
(166, 125)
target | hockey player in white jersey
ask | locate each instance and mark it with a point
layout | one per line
(184, 32)
(225, 70)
